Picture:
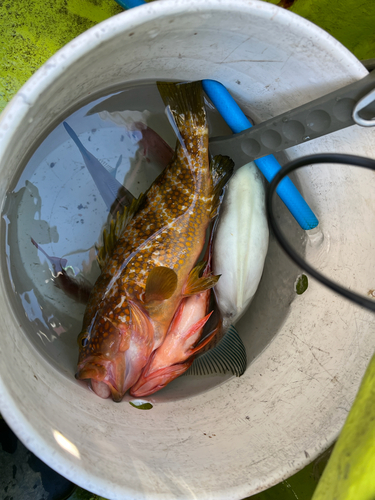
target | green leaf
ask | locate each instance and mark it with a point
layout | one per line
(301, 284)
(141, 405)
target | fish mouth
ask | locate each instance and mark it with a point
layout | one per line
(101, 380)
(91, 370)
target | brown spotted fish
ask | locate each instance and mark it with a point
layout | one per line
(149, 255)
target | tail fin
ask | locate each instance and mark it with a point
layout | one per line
(186, 104)
(228, 356)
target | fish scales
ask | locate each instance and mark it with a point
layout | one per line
(168, 230)
(177, 205)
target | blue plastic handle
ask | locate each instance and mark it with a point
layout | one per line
(129, 4)
(268, 165)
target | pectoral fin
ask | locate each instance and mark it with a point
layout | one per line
(161, 284)
(206, 340)
(196, 283)
(228, 356)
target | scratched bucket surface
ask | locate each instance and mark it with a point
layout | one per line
(214, 438)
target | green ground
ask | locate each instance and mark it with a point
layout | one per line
(31, 32)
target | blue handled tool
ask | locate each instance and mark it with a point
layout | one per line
(268, 165)
(349, 105)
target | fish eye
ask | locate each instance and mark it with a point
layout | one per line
(83, 340)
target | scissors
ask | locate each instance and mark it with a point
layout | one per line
(350, 105)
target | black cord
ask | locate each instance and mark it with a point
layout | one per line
(342, 159)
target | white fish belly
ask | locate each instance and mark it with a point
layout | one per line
(241, 243)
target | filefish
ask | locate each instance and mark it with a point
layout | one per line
(149, 255)
(114, 194)
(240, 243)
(239, 249)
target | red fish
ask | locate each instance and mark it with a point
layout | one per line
(176, 354)
(148, 259)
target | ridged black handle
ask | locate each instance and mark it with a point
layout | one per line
(322, 116)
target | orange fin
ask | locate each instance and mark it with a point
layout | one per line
(161, 284)
(159, 379)
(205, 341)
(197, 326)
(197, 284)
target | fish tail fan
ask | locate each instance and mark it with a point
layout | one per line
(228, 356)
(221, 170)
(185, 102)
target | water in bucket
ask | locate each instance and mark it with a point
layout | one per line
(56, 204)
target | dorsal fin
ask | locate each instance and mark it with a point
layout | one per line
(115, 229)
(221, 170)
(228, 356)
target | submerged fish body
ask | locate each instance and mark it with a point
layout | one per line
(155, 149)
(240, 243)
(240, 246)
(78, 290)
(113, 193)
(148, 257)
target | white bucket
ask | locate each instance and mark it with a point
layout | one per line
(307, 352)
